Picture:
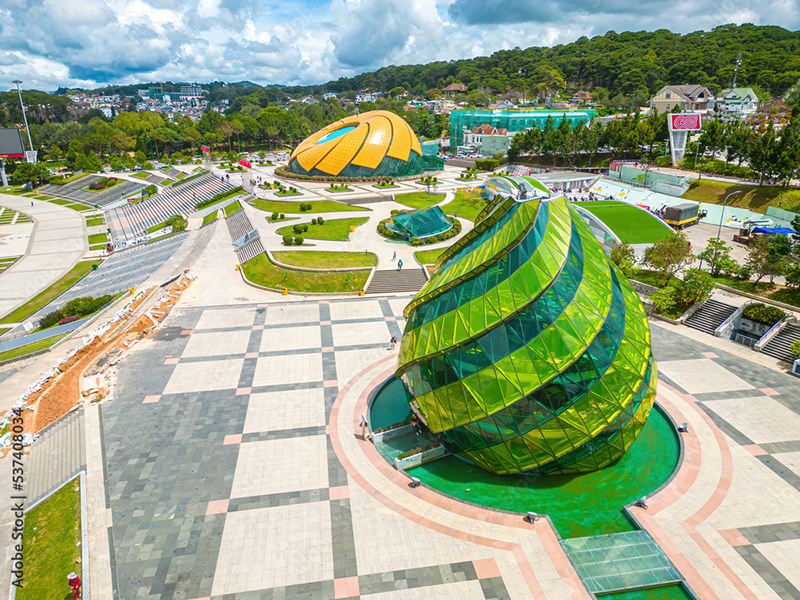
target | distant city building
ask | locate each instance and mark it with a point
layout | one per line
(474, 137)
(455, 88)
(367, 97)
(308, 100)
(688, 97)
(328, 95)
(189, 92)
(738, 101)
(581, 98)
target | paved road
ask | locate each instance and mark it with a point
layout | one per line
(58, 242)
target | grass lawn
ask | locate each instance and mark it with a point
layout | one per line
(466, 205)
(111, 183)
(428, 257)
(763, 288)
(60, 201)
(288, 193)
(4, 329)
(261, 271)
(79, 207)
(756, 198)
(30, 348)
(210, 218)
(631, 224)
(335, 229)
(319, 206)
(52, 530)
(59, 287)
(279, 220)
(97, 247)
(94, 221)
(41, 197)
(98, 238)
(232, 208)
(418, 199)
(326, 260)
(141, 174)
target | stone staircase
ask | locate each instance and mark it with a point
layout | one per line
(56, 457)
(392, 281)
(779, 346)
(710, 316)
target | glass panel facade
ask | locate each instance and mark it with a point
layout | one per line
(538, 357)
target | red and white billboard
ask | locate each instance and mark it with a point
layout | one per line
(684, 122)
(245, 164)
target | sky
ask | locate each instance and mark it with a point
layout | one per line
(89, 43)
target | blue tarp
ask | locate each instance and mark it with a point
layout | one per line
(774, 230)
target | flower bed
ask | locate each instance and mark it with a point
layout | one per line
(418, 456)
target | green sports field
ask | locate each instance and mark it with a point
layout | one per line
(631, 224)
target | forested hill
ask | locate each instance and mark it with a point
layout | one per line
(628, 63)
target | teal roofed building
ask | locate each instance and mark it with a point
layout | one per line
(420, 223)
(512, 120)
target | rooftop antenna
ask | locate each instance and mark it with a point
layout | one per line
(736, 70)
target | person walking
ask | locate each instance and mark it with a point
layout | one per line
(394, 256)
(74, 585)
(400, 264)
(392, 343)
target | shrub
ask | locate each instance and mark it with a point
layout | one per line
(178, 223)
(487, 164)
(765, 314)
(298, 229)
(50, 319)
(273, 217)
(697, 285)
(287, 240)
(69, 319)
(796, 348)
(298, 241)
(314, 221)
(305, 228)
(320, 220)
(283, 216)
(662, 300)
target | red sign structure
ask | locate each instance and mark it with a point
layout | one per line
(684, 122)
(245, 164)
(205, 149)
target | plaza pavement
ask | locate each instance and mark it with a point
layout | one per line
(228, 466)
(234, 470)
(58, 241)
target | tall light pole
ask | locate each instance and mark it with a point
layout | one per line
(722, 215)
(24, 118)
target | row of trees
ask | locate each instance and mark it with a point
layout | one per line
(768, 152)
(628, 63)
(628, 136)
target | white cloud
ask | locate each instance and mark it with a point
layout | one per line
(52, 43)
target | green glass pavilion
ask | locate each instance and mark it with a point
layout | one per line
(527, 348)
(420, 223)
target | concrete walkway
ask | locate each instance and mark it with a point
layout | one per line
(58, 242)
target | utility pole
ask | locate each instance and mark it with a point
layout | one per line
(24, 118)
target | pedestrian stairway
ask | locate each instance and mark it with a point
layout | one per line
(392, 281)
(56, 457)
(75, 191)
(780, 346)
(239, 225)
(710, 316)
(130, 221)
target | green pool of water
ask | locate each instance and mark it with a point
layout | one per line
(579, 505)
(667, 592)
(390, 405)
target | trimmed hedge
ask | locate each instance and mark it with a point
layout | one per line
(766, 314)
(77, 307)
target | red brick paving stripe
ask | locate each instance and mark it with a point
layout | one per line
(734, 537)
(436, 499)
(486, 568)
(560, 561)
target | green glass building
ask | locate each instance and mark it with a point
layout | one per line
(528, 349)
(513, 120)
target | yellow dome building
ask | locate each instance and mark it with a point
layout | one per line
(378, 143)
